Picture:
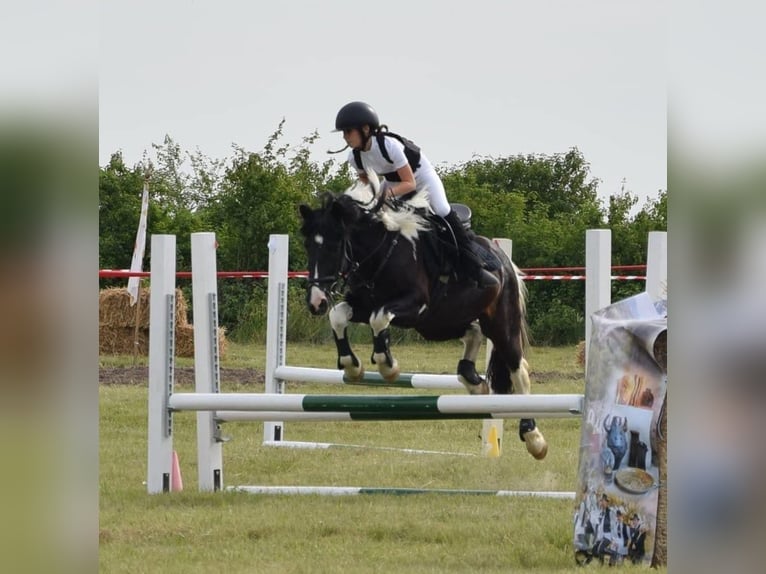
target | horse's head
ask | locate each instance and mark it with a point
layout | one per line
(324, 233)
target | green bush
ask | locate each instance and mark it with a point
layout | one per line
(560, 324)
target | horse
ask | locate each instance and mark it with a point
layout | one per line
(373, 260)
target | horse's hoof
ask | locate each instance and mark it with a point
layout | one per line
(536, 445)
(354, 374)
(389, 374)
(480, 389)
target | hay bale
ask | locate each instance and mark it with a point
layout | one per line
(115, 310)
(117, 318)
(581, 354)
(185, 341)
(119, 340)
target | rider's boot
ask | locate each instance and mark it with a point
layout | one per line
(469, 260)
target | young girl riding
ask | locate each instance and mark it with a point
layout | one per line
(406, 170)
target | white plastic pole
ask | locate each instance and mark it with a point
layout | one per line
(444, 404)
(161, 353)
(276, 325)
(657, 265)
(598, 282)
(335, 377)
(206, 357)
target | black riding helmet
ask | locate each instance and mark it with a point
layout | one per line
(356, 115)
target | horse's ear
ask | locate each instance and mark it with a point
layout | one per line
(306, 212)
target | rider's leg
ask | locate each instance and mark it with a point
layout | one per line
(469, 261)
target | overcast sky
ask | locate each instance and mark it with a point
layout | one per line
(488, 77)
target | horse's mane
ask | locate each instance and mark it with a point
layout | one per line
(408, 221)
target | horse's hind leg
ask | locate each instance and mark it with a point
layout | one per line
(528, 431)
(466, 367)
(340, 315)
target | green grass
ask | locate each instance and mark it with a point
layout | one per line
(232, 532)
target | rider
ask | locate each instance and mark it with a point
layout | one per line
(406, 170)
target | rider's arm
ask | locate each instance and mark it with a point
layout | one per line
(403, 170)
(407, 183)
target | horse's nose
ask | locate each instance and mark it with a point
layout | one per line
(317, 301)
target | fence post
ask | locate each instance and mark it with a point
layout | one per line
(276, 325)
(598, 279)
(161, 357)
(207, 373)
(657, 265)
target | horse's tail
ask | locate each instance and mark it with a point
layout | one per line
(522, 294)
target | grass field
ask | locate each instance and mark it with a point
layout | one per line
(232, 532)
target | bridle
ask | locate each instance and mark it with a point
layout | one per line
(348, 267)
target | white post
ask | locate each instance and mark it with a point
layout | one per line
(206, 357)
(161, 354)
(276, 325)
(657, 265)
(492, 429)
(598, 278)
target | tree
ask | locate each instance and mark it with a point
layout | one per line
(119, 209)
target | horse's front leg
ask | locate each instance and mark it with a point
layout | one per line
(340, 315)
(466, 367)
(528, 431)
(388, 367)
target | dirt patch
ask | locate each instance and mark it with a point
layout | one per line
(182, 376)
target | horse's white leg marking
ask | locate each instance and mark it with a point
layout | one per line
(472, 342)
(340, 315)
(379, 322)
(471, 345)
(534, 439)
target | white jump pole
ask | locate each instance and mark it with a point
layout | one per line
(598, 278)
(657, 265)
(336, 377)
(206, 358)
(276, 326)
(161, 355)
(387, 405)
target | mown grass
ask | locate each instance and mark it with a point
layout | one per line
(232, 532)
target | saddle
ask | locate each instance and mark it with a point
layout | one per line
(438, 248)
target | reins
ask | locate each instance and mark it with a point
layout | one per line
(354, 266)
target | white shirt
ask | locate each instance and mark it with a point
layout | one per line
(425, 176)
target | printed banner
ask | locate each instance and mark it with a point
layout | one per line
(615, 517)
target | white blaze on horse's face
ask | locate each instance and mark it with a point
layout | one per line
(318, 239)
(316, 296)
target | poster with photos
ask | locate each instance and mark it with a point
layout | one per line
(615, 516)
